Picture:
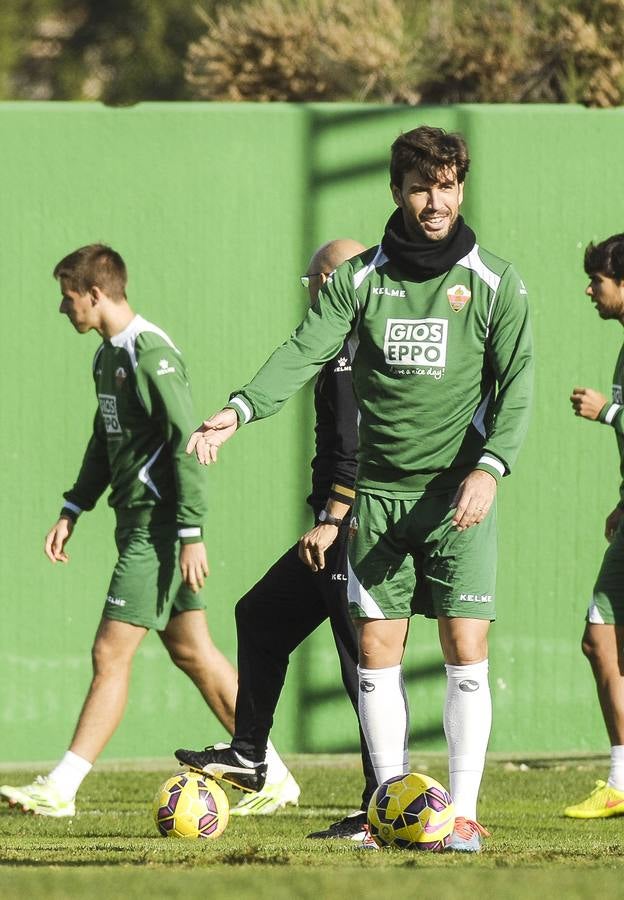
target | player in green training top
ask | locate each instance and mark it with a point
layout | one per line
(143, 417)
(603, 638)
(442, 372)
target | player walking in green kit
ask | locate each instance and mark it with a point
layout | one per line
(603, 638)
(442, 372)
(137, 449)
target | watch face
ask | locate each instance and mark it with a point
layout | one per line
(322, 515)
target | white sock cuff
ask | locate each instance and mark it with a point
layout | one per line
(378, 674)
(276, 767)
(474, 670)
(78, 763)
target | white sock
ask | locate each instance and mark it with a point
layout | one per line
(69, 774)
(616, 772)
(276, 768)
(467, 723)
(384, 719)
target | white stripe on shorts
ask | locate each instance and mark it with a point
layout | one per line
(359, 596)
(593, 615)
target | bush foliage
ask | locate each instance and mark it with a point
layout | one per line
(490, 51)
(320, 50)
(392, 51)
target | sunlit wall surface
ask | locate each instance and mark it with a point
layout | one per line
(216, 209)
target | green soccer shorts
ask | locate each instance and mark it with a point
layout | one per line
(146, 587)
(607, 603)
(407, 558)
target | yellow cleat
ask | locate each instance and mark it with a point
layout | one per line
(270, 799)
(603, 801)
(41, 797)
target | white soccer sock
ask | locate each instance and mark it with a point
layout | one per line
(467, 723)
(616, 772)
(384, 719)
(276, 768)
(69, 774)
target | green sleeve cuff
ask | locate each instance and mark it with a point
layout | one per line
(609, 412)
(241, 407)
(492, 465)
(190, 534)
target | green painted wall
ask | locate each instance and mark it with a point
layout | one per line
(216, 209)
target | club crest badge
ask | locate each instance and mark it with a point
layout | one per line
(458, 296)
(120, 376)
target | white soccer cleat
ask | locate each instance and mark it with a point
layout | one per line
(41, 797)
(271, 798)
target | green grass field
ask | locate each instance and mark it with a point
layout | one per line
(112, 849)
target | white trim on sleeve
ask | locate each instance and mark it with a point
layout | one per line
(488, 460)
(611, 413)
(244, 408)
(189, 532)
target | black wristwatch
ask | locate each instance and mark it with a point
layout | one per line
(326, 519)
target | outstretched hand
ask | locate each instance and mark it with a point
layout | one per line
(211, 434)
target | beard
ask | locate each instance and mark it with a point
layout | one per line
(416, 227)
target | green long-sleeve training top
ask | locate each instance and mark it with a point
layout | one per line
(144, 417)
(442, 369)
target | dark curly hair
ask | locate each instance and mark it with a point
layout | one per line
(429, 151)
(607, 257)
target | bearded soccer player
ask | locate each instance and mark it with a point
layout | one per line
(137, 450)
(443, 378)
(307, 584)
(603, 638)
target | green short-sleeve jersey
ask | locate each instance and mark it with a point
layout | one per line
(442, 368)
(141, 426)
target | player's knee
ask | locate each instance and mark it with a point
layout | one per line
(590, 648)
(109, 658)
(465, 650)
(376, 650)
(587, 648)
(189, 659)
(245, 612)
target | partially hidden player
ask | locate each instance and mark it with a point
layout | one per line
(603, 638)
(142, 421)
(307, 585)
(443, 378)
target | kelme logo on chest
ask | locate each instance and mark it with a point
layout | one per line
(458, 296)
(416, 342)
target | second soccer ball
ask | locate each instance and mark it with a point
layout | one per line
(189, 805)
(412, 812)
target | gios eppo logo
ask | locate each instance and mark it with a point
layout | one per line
(108, 408)
(416, 342)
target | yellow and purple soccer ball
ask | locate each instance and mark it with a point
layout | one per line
(191, 805)
(412, 812)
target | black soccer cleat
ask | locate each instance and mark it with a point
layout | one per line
(352, 827)
(223, 763)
